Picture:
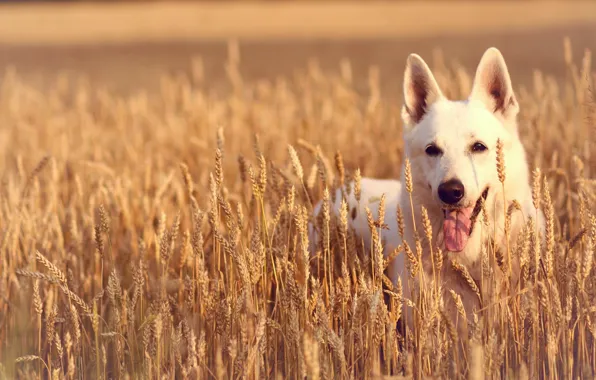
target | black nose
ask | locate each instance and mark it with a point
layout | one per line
(451, 191)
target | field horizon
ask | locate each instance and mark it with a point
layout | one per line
(127, 47)
(126, 22)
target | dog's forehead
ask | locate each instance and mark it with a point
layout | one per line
(458, 122)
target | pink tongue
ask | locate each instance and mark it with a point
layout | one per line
(456, 229)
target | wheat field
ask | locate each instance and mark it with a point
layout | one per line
(164, 235)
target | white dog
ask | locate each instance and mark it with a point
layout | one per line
(452, 148)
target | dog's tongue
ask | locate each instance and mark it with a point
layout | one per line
(456, 228)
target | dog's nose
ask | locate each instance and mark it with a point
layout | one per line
(451, 191)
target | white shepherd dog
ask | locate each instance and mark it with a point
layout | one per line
(452, 149)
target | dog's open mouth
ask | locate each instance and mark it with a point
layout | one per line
(459, 224)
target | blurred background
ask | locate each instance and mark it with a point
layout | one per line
(125, 46)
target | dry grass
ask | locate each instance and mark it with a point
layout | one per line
(78, 23)
(165, 236)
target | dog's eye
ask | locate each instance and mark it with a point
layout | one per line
(478, 147)
(432, 150)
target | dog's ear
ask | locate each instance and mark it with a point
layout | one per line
(420, 90)
(492, 85)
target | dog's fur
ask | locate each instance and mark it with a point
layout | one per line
(489, 114)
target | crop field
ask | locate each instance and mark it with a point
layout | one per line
(153, 217)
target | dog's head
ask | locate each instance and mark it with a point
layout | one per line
(452, 145)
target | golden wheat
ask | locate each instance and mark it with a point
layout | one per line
(136, 272)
